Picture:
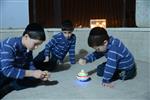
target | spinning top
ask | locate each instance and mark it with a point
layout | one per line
(83, 76)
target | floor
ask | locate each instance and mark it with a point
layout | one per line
(65, 86)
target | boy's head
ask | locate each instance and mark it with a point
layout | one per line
(67, 28)
(33, 36)
(98, 39)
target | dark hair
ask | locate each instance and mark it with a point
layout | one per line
(97, 36)
(67, 25)
(35, 31)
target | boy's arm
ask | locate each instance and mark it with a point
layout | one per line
(93, 56)
(9, 70)
(48, 46)
(7, 63)
(72, 51)
(43, 75)
(110, 66)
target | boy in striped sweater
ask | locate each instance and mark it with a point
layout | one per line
(57, 48)
(120, 62)
(16, 66)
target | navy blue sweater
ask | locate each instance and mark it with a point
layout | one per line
(14, 58)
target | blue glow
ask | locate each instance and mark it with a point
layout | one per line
(82, 83)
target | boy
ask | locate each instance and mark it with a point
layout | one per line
(120, 62)
(57, 48)
(16, 66)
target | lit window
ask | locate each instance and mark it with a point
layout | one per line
(98, 23)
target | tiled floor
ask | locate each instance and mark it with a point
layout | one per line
(67, 87)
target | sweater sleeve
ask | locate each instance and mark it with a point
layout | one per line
(72, 51)
(111, 65)
(49, 45)
(93, 56)
(8, 63)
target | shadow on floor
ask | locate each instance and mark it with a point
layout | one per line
(82, 53)
(92, 71)
(62, 67)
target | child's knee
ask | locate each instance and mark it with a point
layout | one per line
(100, 70)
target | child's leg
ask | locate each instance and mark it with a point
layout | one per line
(7, 83)
(116, 75)
(25, 83)
(131, 73)
(39, 64)
(38, 60)
(100, 69)
(51, 65)
(5, 86)
(4, 80)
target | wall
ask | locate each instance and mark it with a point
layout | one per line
(14, 13)
(136, 39)
(143, 13)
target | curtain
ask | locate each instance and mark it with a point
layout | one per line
(50, 13)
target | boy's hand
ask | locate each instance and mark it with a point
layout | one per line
(109, 85)
(46, 59)
(82, 61)
(43, 75)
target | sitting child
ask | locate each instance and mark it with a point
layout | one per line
(16, 66)
(120, 62)
(57, 48)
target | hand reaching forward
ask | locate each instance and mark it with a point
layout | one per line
(109, 85)
(82, 61)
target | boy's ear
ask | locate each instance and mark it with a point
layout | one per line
(105, 42)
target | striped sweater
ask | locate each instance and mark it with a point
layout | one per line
(14, 58)
(59, 46)
(117, 55)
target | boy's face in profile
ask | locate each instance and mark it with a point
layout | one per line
(31, 44)
(101, 48)
(67, 34)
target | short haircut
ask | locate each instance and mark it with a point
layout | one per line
(97, 36)
(67, 25)
(35, 31)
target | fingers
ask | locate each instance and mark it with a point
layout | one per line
(109, 85)
(45, 75)
(42, 76)
(45, 78)
(82, 61)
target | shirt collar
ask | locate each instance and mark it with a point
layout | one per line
(110, 42)
(21, 46)
(63, 37)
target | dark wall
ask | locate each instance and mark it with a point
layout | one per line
(50, 13)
